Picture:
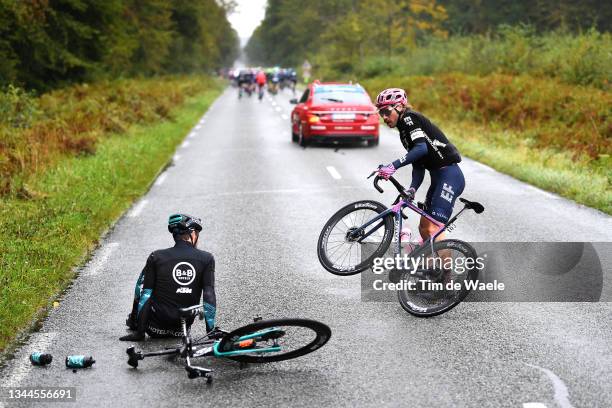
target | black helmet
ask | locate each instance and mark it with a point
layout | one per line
(183, 224)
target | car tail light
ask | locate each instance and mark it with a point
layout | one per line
(313, 119)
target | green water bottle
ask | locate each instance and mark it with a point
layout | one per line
(40, 359)
(79, 361)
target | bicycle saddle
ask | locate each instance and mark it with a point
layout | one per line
(472, 205)
(190, 311)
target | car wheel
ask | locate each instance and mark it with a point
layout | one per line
(294, 136)
(301, 139)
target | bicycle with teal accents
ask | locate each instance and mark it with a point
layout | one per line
(262, 341)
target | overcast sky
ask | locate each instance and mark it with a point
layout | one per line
(247, 17)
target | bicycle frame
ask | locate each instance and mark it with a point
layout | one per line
(397, 208)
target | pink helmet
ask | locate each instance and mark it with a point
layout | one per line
(391, 96)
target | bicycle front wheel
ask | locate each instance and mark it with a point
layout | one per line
(286, 338)
(342, 248)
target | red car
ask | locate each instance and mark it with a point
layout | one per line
(335, 112)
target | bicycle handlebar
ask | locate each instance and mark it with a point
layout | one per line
(396, 183)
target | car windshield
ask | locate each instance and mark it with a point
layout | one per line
(350, 94)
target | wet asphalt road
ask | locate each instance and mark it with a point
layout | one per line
(264, 200)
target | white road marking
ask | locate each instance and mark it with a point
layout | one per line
(285, 117)
(334, 173)
(99, 260)
(273, 103)
(192, 134)
(176, 157)
(198, 127)
(185, 143)
(534, 405)
(160, 180)
(21, 365)
(278, 109)
(546, 193)
(138, 208)
(561, 394)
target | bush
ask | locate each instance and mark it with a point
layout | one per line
(378, 66)
(18, 108)
(584, 59)
(36, 132)
(548, 113)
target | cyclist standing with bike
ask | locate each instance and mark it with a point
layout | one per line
(428, 149)
(173, 278)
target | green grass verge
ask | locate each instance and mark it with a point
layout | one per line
(44, 239)
(549, 169)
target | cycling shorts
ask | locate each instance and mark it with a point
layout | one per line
(162, 325)
(447, 183)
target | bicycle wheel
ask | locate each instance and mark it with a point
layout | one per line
(448, 265)
(295, 337)
(338, 248)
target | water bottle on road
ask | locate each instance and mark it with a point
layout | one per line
(40, 359)
(79, 361)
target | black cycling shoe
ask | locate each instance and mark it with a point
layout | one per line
(131, 323)
(395, 275)
(133, 337)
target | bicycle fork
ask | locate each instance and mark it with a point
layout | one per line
(187, 351)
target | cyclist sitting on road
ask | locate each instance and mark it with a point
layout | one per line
(173, 278)
(428, 148)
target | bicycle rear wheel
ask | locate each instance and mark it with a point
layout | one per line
(339, 249)
(295, 337)
(427, 298)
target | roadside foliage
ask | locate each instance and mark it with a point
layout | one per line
(37, 132)
(47, 44)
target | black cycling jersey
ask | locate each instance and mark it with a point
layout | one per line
(246, 78)
(415, 128)
(179, 276)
